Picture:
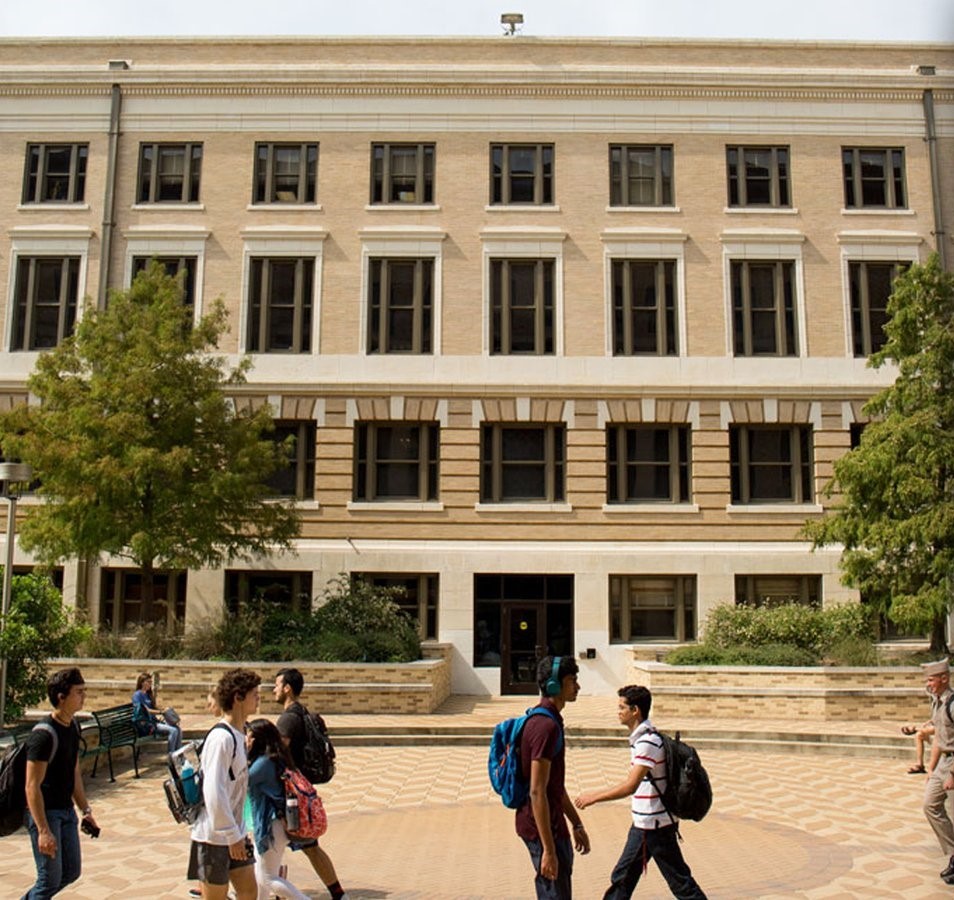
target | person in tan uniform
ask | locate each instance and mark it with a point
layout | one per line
(940, 780)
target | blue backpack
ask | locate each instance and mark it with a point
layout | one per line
(506, 774)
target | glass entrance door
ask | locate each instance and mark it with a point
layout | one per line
(524, 644)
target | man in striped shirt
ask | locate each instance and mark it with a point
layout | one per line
(653, 833)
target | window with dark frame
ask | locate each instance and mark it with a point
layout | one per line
(290, 591)
(297, 478)
(652, 608)
(46, 292)
(280, 304)
(640, 175)
(758, 176)
(644, 307)
(647, 464)
(521, 174)
(55, 173)
(402, 173)
(400, 305)
(874, 177)
(871, 284)
(123, 606)
(396, 461)
(771, 464)
(285, 173)
(522, 298)
(418, 596)
(763, 308)
(169, 173)
(173, 265)
(522, 463)
(777, 590)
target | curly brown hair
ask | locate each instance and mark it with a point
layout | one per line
(235, 684)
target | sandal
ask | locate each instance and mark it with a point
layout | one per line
(917, 770)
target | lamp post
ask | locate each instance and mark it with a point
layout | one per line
(12, 475)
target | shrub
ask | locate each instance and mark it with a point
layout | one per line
(740, 655)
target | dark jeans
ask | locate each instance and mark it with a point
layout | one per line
(560, 888)
(662, 845)
(55, 873)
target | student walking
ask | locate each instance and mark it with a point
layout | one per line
(653, 833)
(267, 759)
(54, 784)
(221, 850)
(289, 684)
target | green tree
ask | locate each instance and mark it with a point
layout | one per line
(895, 516)
(38, 628)
(138, 450)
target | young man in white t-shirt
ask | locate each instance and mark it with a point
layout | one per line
(653, 833)
(221, 850)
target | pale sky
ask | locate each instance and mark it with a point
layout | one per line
(844, 20)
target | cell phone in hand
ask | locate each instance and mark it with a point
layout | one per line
(87, 827)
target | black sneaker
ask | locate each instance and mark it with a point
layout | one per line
(947, 876)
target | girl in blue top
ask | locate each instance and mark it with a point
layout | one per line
(267, 759)
(144, 714)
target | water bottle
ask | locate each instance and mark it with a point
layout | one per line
(291, 814)
(190, 790)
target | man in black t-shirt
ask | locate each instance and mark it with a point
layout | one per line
(289, 684)
(53, 785)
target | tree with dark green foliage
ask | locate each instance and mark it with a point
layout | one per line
(895, 513)
(38, 628)
(138, 449)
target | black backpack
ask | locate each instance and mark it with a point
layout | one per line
(688, 793)
(318, 753)
(13, 782)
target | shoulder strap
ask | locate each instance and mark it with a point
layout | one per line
(46, 726)
(649, 777)
(542, 710)
(234, 742)
(947, 707)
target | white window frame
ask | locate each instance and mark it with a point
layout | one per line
(764, 244)
(519, 242)
(282, 241)
(404, 242)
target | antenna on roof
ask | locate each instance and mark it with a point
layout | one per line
(510, 22)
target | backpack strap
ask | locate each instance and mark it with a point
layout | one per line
(947, 707)
(234, 743)
(543, 711)
(649, 777)
(46, 726)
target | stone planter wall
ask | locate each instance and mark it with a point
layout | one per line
(415, 687)
(769, 692)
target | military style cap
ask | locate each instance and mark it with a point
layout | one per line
(940, 667)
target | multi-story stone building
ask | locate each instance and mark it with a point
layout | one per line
(569, 331)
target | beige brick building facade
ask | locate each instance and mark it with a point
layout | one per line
(569, 331)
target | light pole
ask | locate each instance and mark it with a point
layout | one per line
(12, 475)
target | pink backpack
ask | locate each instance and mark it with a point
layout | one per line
(312, 819)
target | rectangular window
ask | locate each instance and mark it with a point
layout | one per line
(874, 177)
(777, 590)
(396, 461)
(640, 175)
(402, 173)
(280, 304)
(55, 173)
(521, 173)
(522, 306)
(289, 591)
(400, 305)
(758, 176)
(763, 308)
(647, 464)
(871, 285)
(123, 605)
(644, 307)
(169, 173)
(522, 463)
(417, 596)
(297, 478)
(652, 608)
(47, 291)
(173, 266)
(771, 464)
(285, 173)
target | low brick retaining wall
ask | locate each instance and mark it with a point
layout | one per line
(772, 692)
(415, 687)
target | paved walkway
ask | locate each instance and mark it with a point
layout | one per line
(422, 824)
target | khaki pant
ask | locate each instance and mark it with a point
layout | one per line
(935, 805)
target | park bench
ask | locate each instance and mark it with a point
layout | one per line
(115, 729)
(13, 735)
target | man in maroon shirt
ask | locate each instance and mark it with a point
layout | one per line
(541, 821)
